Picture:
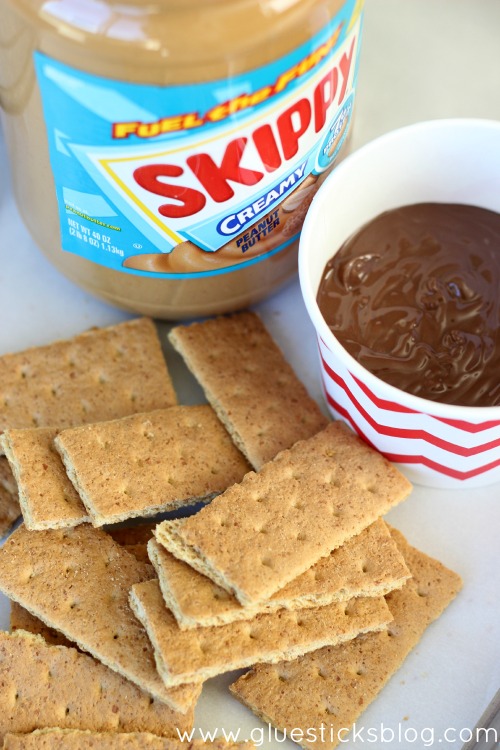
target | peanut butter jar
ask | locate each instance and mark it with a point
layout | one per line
(164, 154)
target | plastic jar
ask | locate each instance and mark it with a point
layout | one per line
(164, 154)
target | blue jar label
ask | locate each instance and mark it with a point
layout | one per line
(202, 178)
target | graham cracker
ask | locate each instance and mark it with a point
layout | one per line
(47, 686)
(148, 463)
(369, 564)
(100, 374)
(48, 499)
(195, 655)
(77, 581)
(251, 386)
(21, 619)
(334, 685)
(264, 532)
(133, 539)
(68, 739)
(9, 510)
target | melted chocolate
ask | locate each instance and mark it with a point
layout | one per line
(414, 296)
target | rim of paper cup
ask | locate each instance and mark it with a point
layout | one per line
(381, 388)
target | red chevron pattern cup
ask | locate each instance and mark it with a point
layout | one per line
(454, 161)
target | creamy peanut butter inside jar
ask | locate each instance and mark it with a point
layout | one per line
(164, 154)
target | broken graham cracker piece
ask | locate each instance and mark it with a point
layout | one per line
(78, 581)
(262, 533)
(47, 686)
(334, 685)
(46, 495)
(149, 463)
(101, 374)
(21, 619)
(251, 386)
(196, 655)
(369, 564)
(69, 739)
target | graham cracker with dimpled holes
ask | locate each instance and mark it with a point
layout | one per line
(68, 739)
(148, 463)
(46, 495)
(251, 386)
(262, 533)
(53, 686)
(21, 619)
(100, 374)
(198, 654)
(334, 685)
(77, 581)
(369, 564)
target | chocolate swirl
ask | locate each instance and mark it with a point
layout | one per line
(414, 296)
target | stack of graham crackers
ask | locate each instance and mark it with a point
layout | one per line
(290, 570)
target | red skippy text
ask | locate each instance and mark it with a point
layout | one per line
(275, 142)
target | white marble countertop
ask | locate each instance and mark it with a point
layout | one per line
(421, 59)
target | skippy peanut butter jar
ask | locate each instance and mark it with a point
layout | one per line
(164, 154)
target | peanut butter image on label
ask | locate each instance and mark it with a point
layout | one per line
(268, 233)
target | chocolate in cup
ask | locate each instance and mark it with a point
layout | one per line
(446, 161)
(413, 297)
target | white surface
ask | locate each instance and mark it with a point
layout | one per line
(420, 59)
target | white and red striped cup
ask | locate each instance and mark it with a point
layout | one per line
(451, 161)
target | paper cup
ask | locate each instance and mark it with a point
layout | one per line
(447, 161)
